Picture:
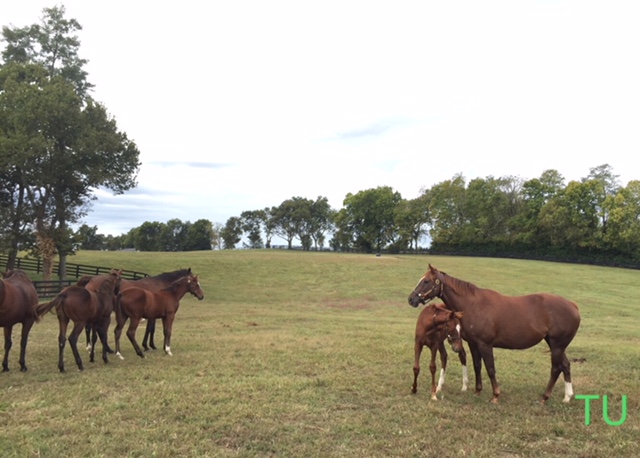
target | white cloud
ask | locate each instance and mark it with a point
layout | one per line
(281, 99)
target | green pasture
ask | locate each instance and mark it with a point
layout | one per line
(310, 354)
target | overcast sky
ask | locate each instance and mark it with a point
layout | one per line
(239, 105)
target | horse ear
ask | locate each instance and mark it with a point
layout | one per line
(433, 269)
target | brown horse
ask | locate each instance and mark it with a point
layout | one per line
(18, 300)
(493, 320)
(153, 284)
(136, 303)
(435, 324)
(83, 306)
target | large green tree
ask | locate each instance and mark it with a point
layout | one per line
(64, 144)
(370, 216)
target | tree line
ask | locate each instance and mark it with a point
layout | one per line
(594, 219)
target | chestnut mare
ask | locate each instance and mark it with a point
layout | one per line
(83, 306)
(18, 300)
(155, 283)
(493, 320)
(435, 324)
(136, 303)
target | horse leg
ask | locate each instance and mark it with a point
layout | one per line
(477, 365)
(73, 343)
(148, 335)
(167, 324)
(87, 332)
(102, 333)
(416, 366)
(7, 346)
(26, 327)
(462, 355)
(432, 369)
(117, 332)
(566, 372)
(443, 362)
(94, 338)
(62, 339)
(487, 356)
(559, 363)
(131, 334)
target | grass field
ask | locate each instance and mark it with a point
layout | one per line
(311, 354)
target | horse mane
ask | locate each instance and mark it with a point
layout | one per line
(459, 286)
(16, 273)
(173, 276)
(107, 285)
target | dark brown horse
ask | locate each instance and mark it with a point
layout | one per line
(83, 306)
(493, 320)
(136, 303)
(154, 283)
(435, 324)
(18, 300)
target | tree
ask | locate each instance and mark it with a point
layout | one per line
(288, 219)
(411, 219)
(148, 236)
(173, 235)
(199, 236)
(89, 239)
(536, 193)
(74, 145)
(216, 237)
(320, 221)
(231, 234)
(371, 217)
(446, 206)
(605, 192)
(623, 235)
(252, 221)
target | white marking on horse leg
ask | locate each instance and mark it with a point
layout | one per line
(568, 391)
(167, 350)
(465, 378)
(434, 397)
(88, 347)
(119, 355)
(440, 381)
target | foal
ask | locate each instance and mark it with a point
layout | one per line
(136, 303)
(435, 324)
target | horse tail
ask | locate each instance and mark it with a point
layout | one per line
(45, 307)
(116, 306)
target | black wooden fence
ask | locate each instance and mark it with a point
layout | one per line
(50, 288)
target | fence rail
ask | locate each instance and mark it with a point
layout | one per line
(73, 270)
(50, 288)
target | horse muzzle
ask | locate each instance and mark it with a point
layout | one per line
(415, 300)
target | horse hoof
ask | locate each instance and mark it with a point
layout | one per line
(494, 400)
(119, 355)
(24, 369)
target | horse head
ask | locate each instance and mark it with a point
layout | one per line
(452, 328)
(194, 286)
(115, 277)
(429, 287)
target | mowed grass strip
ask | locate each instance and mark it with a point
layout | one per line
(311, 354)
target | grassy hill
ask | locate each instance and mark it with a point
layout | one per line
(311, 354)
